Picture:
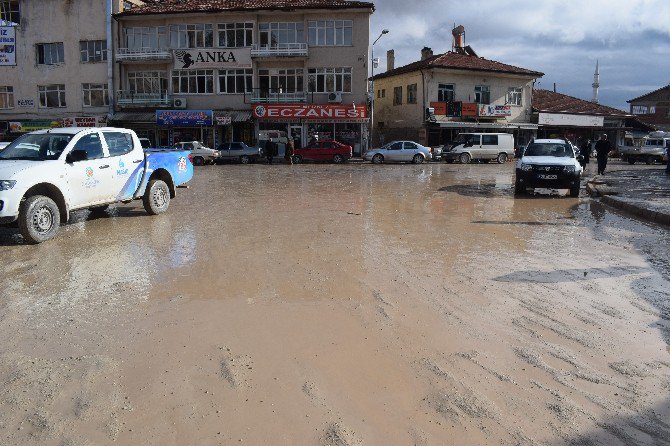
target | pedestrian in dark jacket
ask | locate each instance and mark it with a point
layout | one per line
(270, 151)
(584, 151)
(603, 149)
(667, 154)
(288, 154)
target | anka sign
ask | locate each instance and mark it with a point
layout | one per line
(212, 58)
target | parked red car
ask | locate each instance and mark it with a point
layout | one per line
(323, 151)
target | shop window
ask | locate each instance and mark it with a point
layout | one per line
(50, 53)
(10, 11)
(445, 93)
(235, 81)
(200, 35)
(52, 96)
(329, 80)
(235, 35)
(288, 80)
(93, 51)
(193, 81)
(6, 97)
(331, 32)
(146, 38)
(147, 82)
(281, 33)
(95, 95)
(482, 94)
(515, 96)
(411, 94)
(397, 96)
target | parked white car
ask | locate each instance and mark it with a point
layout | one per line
(399, 151)
(200, 153)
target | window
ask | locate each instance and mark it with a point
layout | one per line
(411, 94)
(515, 96)
(10, 11)
(91, 145)
(445, 92)
(138, 38)
(50, 53)
(397, 96)
(95, 95)
(395, 146)
(193, 81)
(192, 36)
(281, 80)
(118, 143)
(281, 33)
(330, 32)
(482, 94)
(147, 82)
(93, 50)
(383, 92)
(329, 80)
(489, 140)
(235, 81)
(379, 94)
(407, 145)
(235, 35)
(52, 95)
(6, 97)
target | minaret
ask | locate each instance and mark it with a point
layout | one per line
(596, 83)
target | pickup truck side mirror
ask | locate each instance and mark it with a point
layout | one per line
(76, 156)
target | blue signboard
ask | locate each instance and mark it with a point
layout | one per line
(184, 117)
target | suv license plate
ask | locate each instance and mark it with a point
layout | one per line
(548, 177)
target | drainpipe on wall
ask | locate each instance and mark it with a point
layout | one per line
(110, 60)
(423, 109)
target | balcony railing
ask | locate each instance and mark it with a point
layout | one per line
(129, 98)
(274, 97)
(143, 54)
(280, 50)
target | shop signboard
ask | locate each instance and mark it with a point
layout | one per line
(83, 121)
(560, 119)
(212, 58)
(7, 45)
(223, 120)
(185, 118)
(312, 112)
(494, 111)
(31, 126)
(439, 107)
(26, 103)
(469, 110)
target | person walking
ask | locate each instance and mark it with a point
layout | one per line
(667, 154)
(585, 151)
(288, 154)
(270, 150)
(603, 149)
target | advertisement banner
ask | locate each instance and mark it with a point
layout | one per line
(495, 111)
(223, 120)
(440, 108)
(312, 112)
(7, 45)
(84, 121)
(212, 58)
(186, 118)
(454, 109)
(469, 109)
(31, 126)
(560, 119)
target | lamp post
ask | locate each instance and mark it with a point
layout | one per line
(372, 87)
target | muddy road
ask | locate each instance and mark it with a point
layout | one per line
(340, 305)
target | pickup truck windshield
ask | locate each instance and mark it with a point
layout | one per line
(36, 147)
(555, 149)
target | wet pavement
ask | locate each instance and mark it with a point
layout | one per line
(340, 305)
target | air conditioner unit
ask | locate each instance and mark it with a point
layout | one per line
(179, 103)
(335, 98)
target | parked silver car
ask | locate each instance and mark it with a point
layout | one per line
(400, 151)
(200, 153)
(238, 151)
(4, 144)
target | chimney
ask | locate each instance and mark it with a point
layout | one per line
(426, 53)
(459, 38)
(390, 60)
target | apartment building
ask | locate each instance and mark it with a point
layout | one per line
(224, 70)
(438, 96)
(653, 108)
(55, 67)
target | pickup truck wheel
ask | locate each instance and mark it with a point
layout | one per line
(502, 158)
(198, 161)
(244, 159)
(631, 161)
(465, 158)
(39, 219)
(378, 159)
(338, 159)
(156, 199)
(418, 159)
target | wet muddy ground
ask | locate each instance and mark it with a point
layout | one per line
(340, 305)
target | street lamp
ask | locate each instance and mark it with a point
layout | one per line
(372, 87)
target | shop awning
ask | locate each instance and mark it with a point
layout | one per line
(143, 117)
(234, 115)
(442, 122)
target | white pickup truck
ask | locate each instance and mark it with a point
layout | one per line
(46, 174)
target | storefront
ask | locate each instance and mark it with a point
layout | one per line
(12, 129)
(309, 122)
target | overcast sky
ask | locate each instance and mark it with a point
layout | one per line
(561, 38)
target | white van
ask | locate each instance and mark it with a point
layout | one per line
(480, 146)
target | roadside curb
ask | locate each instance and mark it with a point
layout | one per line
(637, 208)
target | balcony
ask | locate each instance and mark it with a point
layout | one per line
(273, 97)
(280, 50)
(131, 99)
(143, 54)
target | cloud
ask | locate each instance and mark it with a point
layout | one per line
(562, 38)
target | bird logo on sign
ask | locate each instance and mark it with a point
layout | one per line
(185, 58)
